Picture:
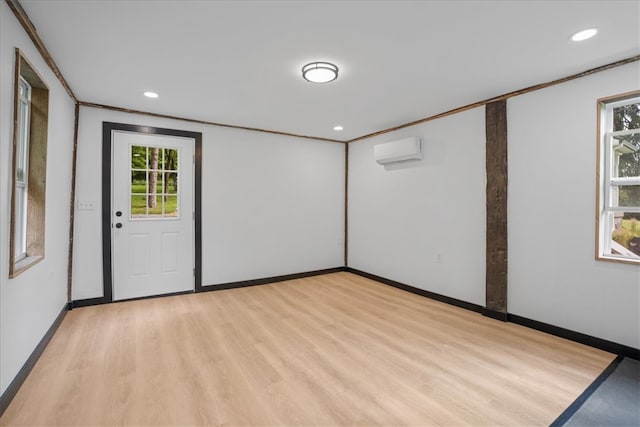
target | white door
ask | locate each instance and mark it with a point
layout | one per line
(152, 224)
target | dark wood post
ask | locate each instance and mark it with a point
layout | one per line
(346, 204)
(496, 164)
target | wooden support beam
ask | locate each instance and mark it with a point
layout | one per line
(504, 96)
(346, 204)
(72, 200)
(31, 31)
(203, 122)
(496, 253)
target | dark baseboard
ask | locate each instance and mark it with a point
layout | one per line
(22, 375)
(267, 280)
(498, 315)
(231, 285)
(432, 295)
(599, 343)
(87, 302)
(577, 404)
(103, 300)
(171, 294)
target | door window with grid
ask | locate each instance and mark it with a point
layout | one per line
(154, 183)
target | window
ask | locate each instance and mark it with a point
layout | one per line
(31, 112)
(154, 182)
(619, 178)
(22, 170)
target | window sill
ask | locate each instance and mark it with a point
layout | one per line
(618, 259)
(24, 264)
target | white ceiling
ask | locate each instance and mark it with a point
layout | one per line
(238, 62)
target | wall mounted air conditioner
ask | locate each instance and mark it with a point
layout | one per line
(398, 151)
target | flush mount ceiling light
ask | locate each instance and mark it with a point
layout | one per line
(151, 94)
(320, 72)
(338, 128)
(584, 35)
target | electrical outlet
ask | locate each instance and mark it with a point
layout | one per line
(340, 241)
(439, 258)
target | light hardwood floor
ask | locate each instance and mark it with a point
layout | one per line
(328, 350)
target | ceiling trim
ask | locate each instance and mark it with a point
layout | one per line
(502, 97)
(204, 122)
(31, 31)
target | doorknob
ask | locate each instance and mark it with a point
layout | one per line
(119, 225)
(118, 213)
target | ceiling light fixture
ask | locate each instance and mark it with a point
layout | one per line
(151, 94)
(320, 72)
(338, 128)
(584, 35)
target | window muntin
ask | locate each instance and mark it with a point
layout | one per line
(154, 182)
(619, 213)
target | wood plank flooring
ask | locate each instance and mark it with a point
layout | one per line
(328, 350)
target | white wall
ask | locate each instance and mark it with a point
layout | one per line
(400, 219)
(271, 205)
(30, 303)
(553, 276)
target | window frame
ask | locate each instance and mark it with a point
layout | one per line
(605, 182)
(162, 172)
(27, 223)
(22, 164)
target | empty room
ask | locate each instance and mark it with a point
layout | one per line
(320, 213)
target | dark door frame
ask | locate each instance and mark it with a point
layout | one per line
(107, 142)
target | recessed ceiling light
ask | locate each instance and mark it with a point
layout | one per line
(338, 128)
(320, 72)
(584, 35)
(151, 94)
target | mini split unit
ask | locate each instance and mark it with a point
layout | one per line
(398, 151)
